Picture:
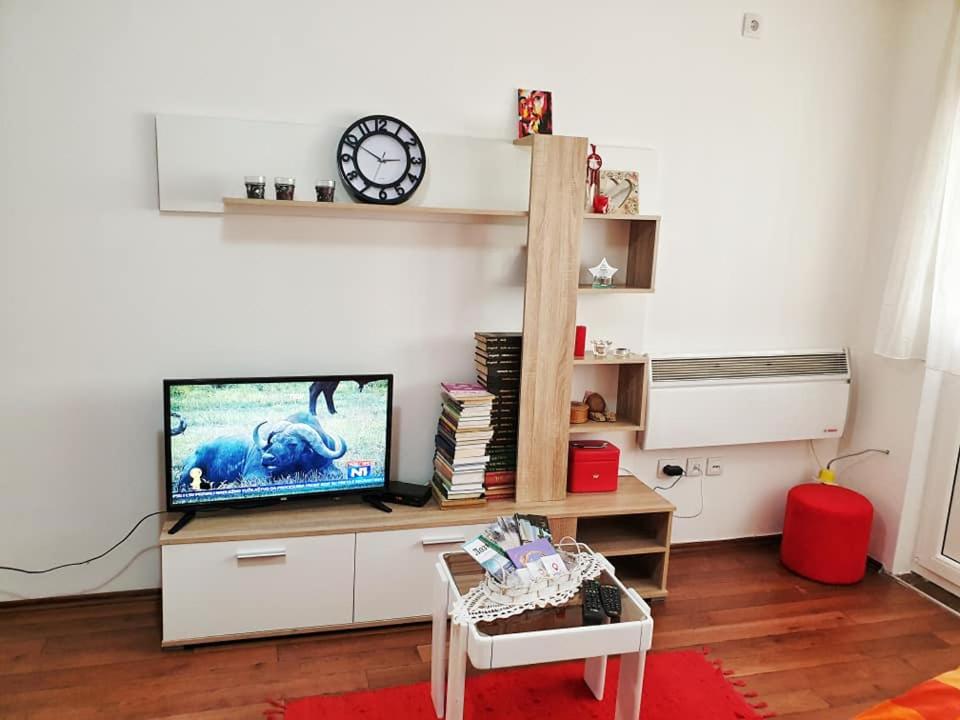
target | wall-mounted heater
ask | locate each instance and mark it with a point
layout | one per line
(697, 401)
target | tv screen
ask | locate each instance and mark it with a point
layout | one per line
(241, 441)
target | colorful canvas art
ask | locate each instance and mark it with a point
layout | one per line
(535, 112)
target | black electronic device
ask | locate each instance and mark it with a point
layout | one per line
(381, 160)
(611, 601)
(406, 494)
(593, 613)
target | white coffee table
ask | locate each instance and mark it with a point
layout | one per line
(536, 636)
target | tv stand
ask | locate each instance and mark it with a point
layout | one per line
(327, 566)
(182, 522)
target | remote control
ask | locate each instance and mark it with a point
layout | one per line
(610, 599)
(592, 605)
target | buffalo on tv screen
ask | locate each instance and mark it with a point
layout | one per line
(250, 440)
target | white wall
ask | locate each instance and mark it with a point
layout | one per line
(769, 155)
(888, 392)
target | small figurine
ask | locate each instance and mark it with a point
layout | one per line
(603, 274)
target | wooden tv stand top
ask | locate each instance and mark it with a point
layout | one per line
(351, 515)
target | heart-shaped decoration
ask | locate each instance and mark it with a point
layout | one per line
(621, 187)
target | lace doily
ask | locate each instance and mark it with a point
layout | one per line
(494, 600)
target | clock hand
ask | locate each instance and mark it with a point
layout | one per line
(386, 160)
(379, 160)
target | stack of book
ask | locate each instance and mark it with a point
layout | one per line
(497, 359)
(462, 436)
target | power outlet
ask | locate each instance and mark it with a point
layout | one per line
(752, 26)
(695, 467)
(665, 461)
(714, 466)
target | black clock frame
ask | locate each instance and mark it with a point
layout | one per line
(349, 150)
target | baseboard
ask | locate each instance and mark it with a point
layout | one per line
(771, 539)
(87, 599)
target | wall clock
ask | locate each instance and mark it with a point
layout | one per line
(381, 160)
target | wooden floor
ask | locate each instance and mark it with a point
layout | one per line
(812, 652)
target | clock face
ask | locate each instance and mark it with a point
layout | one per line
(381, 160)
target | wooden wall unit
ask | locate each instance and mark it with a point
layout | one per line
(232, 565)
(549, 314)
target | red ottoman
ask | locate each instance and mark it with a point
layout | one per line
(826, 531)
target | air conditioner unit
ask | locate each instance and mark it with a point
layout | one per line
(697, 401)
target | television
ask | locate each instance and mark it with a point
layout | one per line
(257, 440)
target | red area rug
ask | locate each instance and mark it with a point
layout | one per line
(677, 686)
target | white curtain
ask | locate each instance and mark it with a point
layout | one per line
(920, 316)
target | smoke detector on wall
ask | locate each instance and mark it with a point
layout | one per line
(752, 25)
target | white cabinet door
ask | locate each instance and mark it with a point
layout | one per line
(233, 588)
(395, 570)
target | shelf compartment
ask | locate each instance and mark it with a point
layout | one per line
(360, 211)
(644, 573)
(592, 426)
(631, 402)
(638, 273)
(591, 359)
(619, 535)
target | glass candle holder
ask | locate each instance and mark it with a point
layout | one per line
(284, 187)
(600, 347)
(256, 186)
(325, 190)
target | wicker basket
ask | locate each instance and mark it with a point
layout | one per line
(579, 412)
(516, 592)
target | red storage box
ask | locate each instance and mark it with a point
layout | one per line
(594, 466)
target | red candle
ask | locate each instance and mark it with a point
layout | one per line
(600, 204)
(580, 342)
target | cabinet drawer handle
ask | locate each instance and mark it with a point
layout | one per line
(448, 540)
(269, 553)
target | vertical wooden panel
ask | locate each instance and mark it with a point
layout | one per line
(666, 556)
(563, 527)
(549, 315)
(642, 254)
(632, 394)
